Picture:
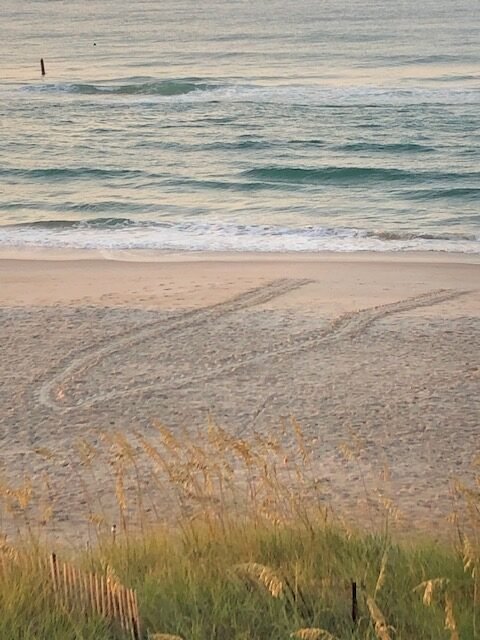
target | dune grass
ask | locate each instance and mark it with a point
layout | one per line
(251, 551)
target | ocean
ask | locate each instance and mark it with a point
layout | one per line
(320, 125)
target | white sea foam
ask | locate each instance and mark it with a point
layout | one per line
(226, 237)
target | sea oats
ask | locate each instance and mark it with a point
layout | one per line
(470, 556)
(300, 439)
(382, 630)
(262, 575)
(24, 494)
(382, 575)
(86, 451)
(168, 439)
(111, 575)
(450, 622)
(312, 633)
(120, 489)
(430, 588)
(46, 453)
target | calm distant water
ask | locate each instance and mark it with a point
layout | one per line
(245, 125)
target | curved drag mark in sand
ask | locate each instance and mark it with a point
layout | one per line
(354, 323)
(349, 325)
(346, 326)
(51, 393)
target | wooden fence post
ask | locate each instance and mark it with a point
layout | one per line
(354, 603)
(53, 570)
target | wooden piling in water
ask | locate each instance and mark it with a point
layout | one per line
(42, 66)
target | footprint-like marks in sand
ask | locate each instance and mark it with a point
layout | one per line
(348, 325)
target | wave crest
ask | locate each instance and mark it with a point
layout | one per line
(205, 90)
(166, 88)
(349, 175)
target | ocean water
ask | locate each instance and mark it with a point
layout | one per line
(237, 125)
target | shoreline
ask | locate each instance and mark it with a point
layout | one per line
(144, 279)
(148, 255)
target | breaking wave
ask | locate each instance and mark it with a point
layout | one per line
(125, 234)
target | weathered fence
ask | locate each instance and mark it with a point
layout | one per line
(102, 595)
(87, 593)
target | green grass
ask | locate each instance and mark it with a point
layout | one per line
(202, 579)
(191, 585)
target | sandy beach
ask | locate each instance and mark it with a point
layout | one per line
(380, 347)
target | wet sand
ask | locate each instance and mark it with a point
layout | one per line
(385, 347)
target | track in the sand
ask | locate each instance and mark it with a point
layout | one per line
(52, 394)
(178, 323)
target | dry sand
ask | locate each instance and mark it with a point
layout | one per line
(385, 347)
